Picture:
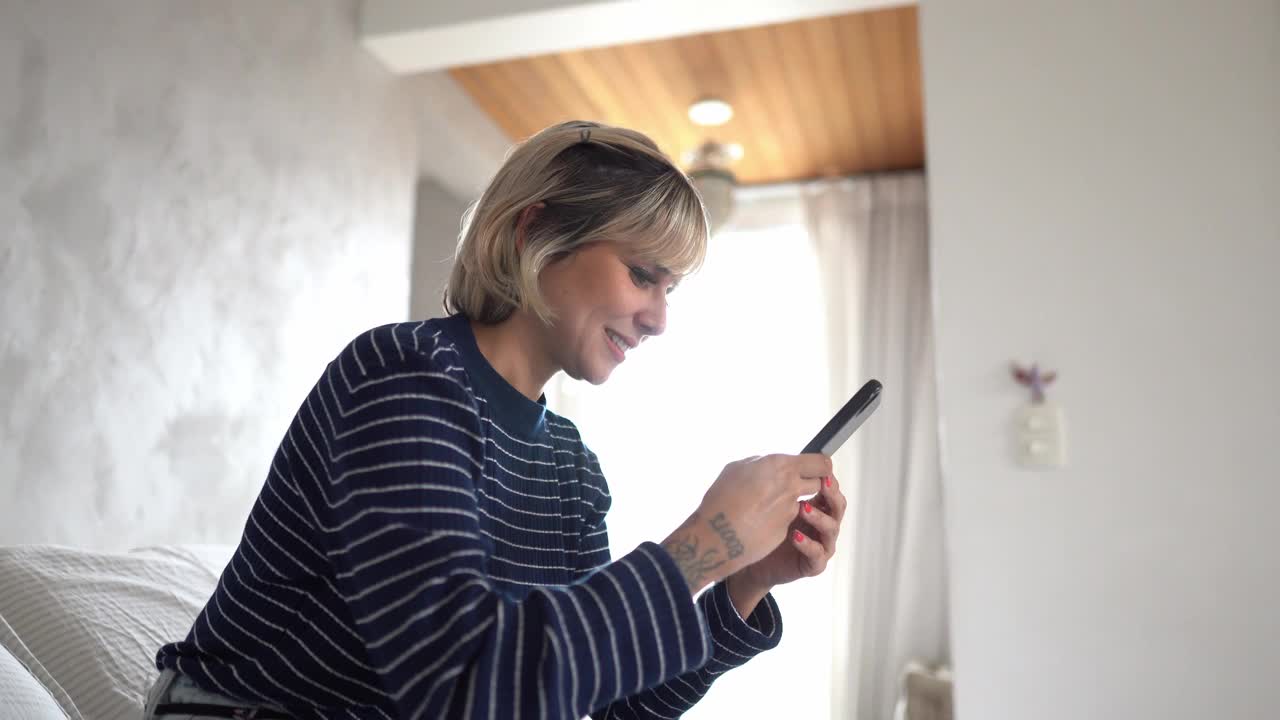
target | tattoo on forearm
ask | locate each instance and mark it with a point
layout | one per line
(721, 525)
(694, 562)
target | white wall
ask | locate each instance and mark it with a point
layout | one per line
(200, 202)
(437, 222)
(1106, 200)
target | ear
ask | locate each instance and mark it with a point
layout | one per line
(522, 225)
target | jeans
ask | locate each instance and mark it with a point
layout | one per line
(173, 688)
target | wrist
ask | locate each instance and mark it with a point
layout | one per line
(698, 552)
(745, 591)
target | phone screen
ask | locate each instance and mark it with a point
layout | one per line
(850, 417)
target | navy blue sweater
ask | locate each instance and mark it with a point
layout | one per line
(431, 543)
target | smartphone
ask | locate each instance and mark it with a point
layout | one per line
(850, 418)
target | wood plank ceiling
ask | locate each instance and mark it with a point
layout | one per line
(829, 96)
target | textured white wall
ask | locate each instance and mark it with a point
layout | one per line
(200, 202)
(1105, 198)
(436, 224)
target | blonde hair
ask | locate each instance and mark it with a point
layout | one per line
(596, 183)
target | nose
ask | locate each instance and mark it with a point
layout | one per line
(652, 320)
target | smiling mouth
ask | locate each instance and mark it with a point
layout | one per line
(618, 344)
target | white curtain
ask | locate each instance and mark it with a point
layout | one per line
(741, 370)
(870, 235)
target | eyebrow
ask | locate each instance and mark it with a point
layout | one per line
(667, 273)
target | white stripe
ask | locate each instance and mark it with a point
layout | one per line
(401, 487)
(671, 598)
(525, 529)
(512, 508)
(392, 397)
(528, 565)
(435, 686)
(513, 491)
(415, 334)
(656, 696)
(400, 549)
(355, 353)
(296, 640)
(655, 712)
(497, 657)
(431, 669)
(395, 337)
(500, 578)
(418, 569)
(591, 647)
(397, 510)
(400, 440)
(729, 631)
(644, 594)
(463, 614)
(374, 341)
(223, 615)
(504, 468)
(542, 691)
(369, 382)
(416, 594)
(519, 656)
(301, 540)
(541, 550)
(613, 638)
(635, 634)
(568, 649)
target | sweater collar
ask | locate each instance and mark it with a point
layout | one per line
(506, 404)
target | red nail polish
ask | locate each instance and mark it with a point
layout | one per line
(828, 482)
(799, 536)
(808, 508)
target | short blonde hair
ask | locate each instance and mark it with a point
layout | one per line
(597, 183)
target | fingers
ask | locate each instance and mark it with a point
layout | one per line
(808, 471)
(812, 551)
(813, 465)
(833, 499)
(825, 529)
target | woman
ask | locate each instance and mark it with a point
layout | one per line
(431, 542)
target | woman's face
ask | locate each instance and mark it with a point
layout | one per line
(606, 304)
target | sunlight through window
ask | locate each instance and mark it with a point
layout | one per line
(741, 371)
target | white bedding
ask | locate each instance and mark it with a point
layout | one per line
(87, 625)
(23, 696)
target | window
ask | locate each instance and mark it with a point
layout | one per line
(741, 371)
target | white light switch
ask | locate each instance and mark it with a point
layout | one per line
(1040, 436)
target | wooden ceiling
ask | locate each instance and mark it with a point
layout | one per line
(829, 96)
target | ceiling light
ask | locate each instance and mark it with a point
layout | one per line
(710, 173)
(710, 111)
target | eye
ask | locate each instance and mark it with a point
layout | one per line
(642, 278)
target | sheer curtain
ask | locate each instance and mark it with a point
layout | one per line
(870, 235)
(808, 291)
(741, 370)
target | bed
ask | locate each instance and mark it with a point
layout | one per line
(79, 629)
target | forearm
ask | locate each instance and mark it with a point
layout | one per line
(745, 593)
(735, 641)
(705, 550)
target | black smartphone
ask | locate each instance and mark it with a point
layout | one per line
(850, 418)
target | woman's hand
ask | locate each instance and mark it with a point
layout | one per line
(744, 515)
(810, 544)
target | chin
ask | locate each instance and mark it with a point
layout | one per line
(597, 378)
(596, 375)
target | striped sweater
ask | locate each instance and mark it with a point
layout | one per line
(431, 543)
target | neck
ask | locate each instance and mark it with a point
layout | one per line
(514, 348)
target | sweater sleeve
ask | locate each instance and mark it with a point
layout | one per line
(734, 640)
(392, 450)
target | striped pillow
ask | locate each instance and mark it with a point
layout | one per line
(92, 622)
(24, 697)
